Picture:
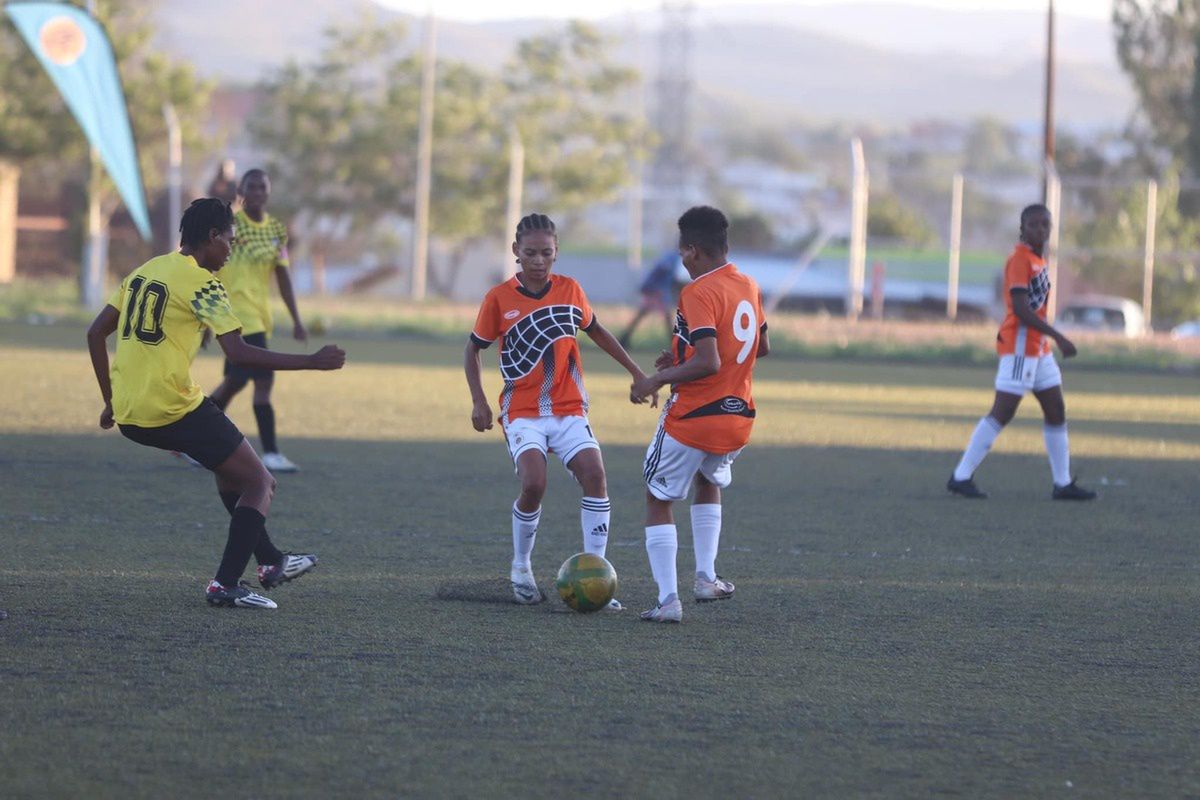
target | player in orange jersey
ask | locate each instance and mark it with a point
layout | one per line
(720, 332)
(543, 405)
(1026, 364)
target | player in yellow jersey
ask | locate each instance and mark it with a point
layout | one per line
(259, 251)
(160, 313)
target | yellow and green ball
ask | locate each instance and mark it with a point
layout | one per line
(586, 582)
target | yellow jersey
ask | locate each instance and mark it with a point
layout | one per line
(165, 305)
(259, 248)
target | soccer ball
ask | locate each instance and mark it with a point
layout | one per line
(586, 582)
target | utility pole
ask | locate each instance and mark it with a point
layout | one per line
(1048, 148)
(672, 108)
(424, 160)
(174, 173)
(95, 246)
(516, 185)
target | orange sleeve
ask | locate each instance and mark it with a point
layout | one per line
(1018, 272)
(487, 323)
(700, 310)
(589, 316)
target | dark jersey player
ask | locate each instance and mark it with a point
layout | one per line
(159, 314)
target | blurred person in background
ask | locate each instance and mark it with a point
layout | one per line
(658, 295)
(1026, 365)
(224, 183)
(259, 251)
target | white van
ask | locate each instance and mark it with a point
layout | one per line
(1102, 314)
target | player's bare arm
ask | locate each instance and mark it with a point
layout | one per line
(239, 352)
(284, 278)
(705, 361)
(101, 328)
(1029, 317)
(481, 412)
(609, 344)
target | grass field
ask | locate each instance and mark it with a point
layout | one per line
(886, 640)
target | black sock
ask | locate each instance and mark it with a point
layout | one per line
(265, 415)
(246, 526)
(266, 553)
(230, 499)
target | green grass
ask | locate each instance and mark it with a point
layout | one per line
(886, 639)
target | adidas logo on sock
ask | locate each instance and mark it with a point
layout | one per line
(600, 530)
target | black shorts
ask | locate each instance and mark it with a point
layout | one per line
(249, 373)
(205, 434)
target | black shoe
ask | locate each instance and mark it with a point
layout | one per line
(293, 566)
(1072, 491)
(239, 596)
(965, 488)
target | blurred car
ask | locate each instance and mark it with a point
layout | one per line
(1102, 314)
(1186, 330)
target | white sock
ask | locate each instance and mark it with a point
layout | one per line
(706, 534)
(981, 442)
(524, 529)
(594, 514)
(1059, 452)
(662, 542)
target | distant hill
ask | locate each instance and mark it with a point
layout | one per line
(857, 63)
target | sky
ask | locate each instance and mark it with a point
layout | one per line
(474, 10)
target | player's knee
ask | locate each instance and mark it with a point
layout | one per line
(1002, 415)
(533, 488)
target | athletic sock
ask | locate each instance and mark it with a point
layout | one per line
(662, 543)
(230, 499)
(594, 513)
(1059, 451)
(706, 535)
(981, 442)
(246, 525)
(265, 414)
(524, 530)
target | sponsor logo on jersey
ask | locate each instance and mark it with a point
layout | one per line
(733, 405)
(511, 314)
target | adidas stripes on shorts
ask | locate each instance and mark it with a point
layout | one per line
(1020, 374)
(671, 466)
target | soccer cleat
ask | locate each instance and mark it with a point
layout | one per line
(707, 591)
(239, 596)
(613, 605)
(294, 565)
(524, 587)
(1072, 491)
(965, 488)
(185, 458)
(278, 462)
(670, 611)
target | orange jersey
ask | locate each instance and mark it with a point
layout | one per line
(539, 356)
(1025, 269)
(715, 414)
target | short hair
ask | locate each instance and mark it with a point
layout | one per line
(536, 222)
(202, 216)
(705, 228)
(255, 172)
(1030, 210)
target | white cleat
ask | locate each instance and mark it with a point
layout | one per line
(670, 611)
(614, 605)
(524, 587)
(706, 591)
(278, 462)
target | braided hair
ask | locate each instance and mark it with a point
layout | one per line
(536, 222)
(202, 216)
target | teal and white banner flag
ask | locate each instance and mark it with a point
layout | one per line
(76, 53)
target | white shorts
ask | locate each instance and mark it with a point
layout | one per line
(566, 437)
(671, 466)
(1020, 374)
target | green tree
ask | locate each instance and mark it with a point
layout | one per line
(993, 148)
(341, 132)
(889, 218)
(1157, 46)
